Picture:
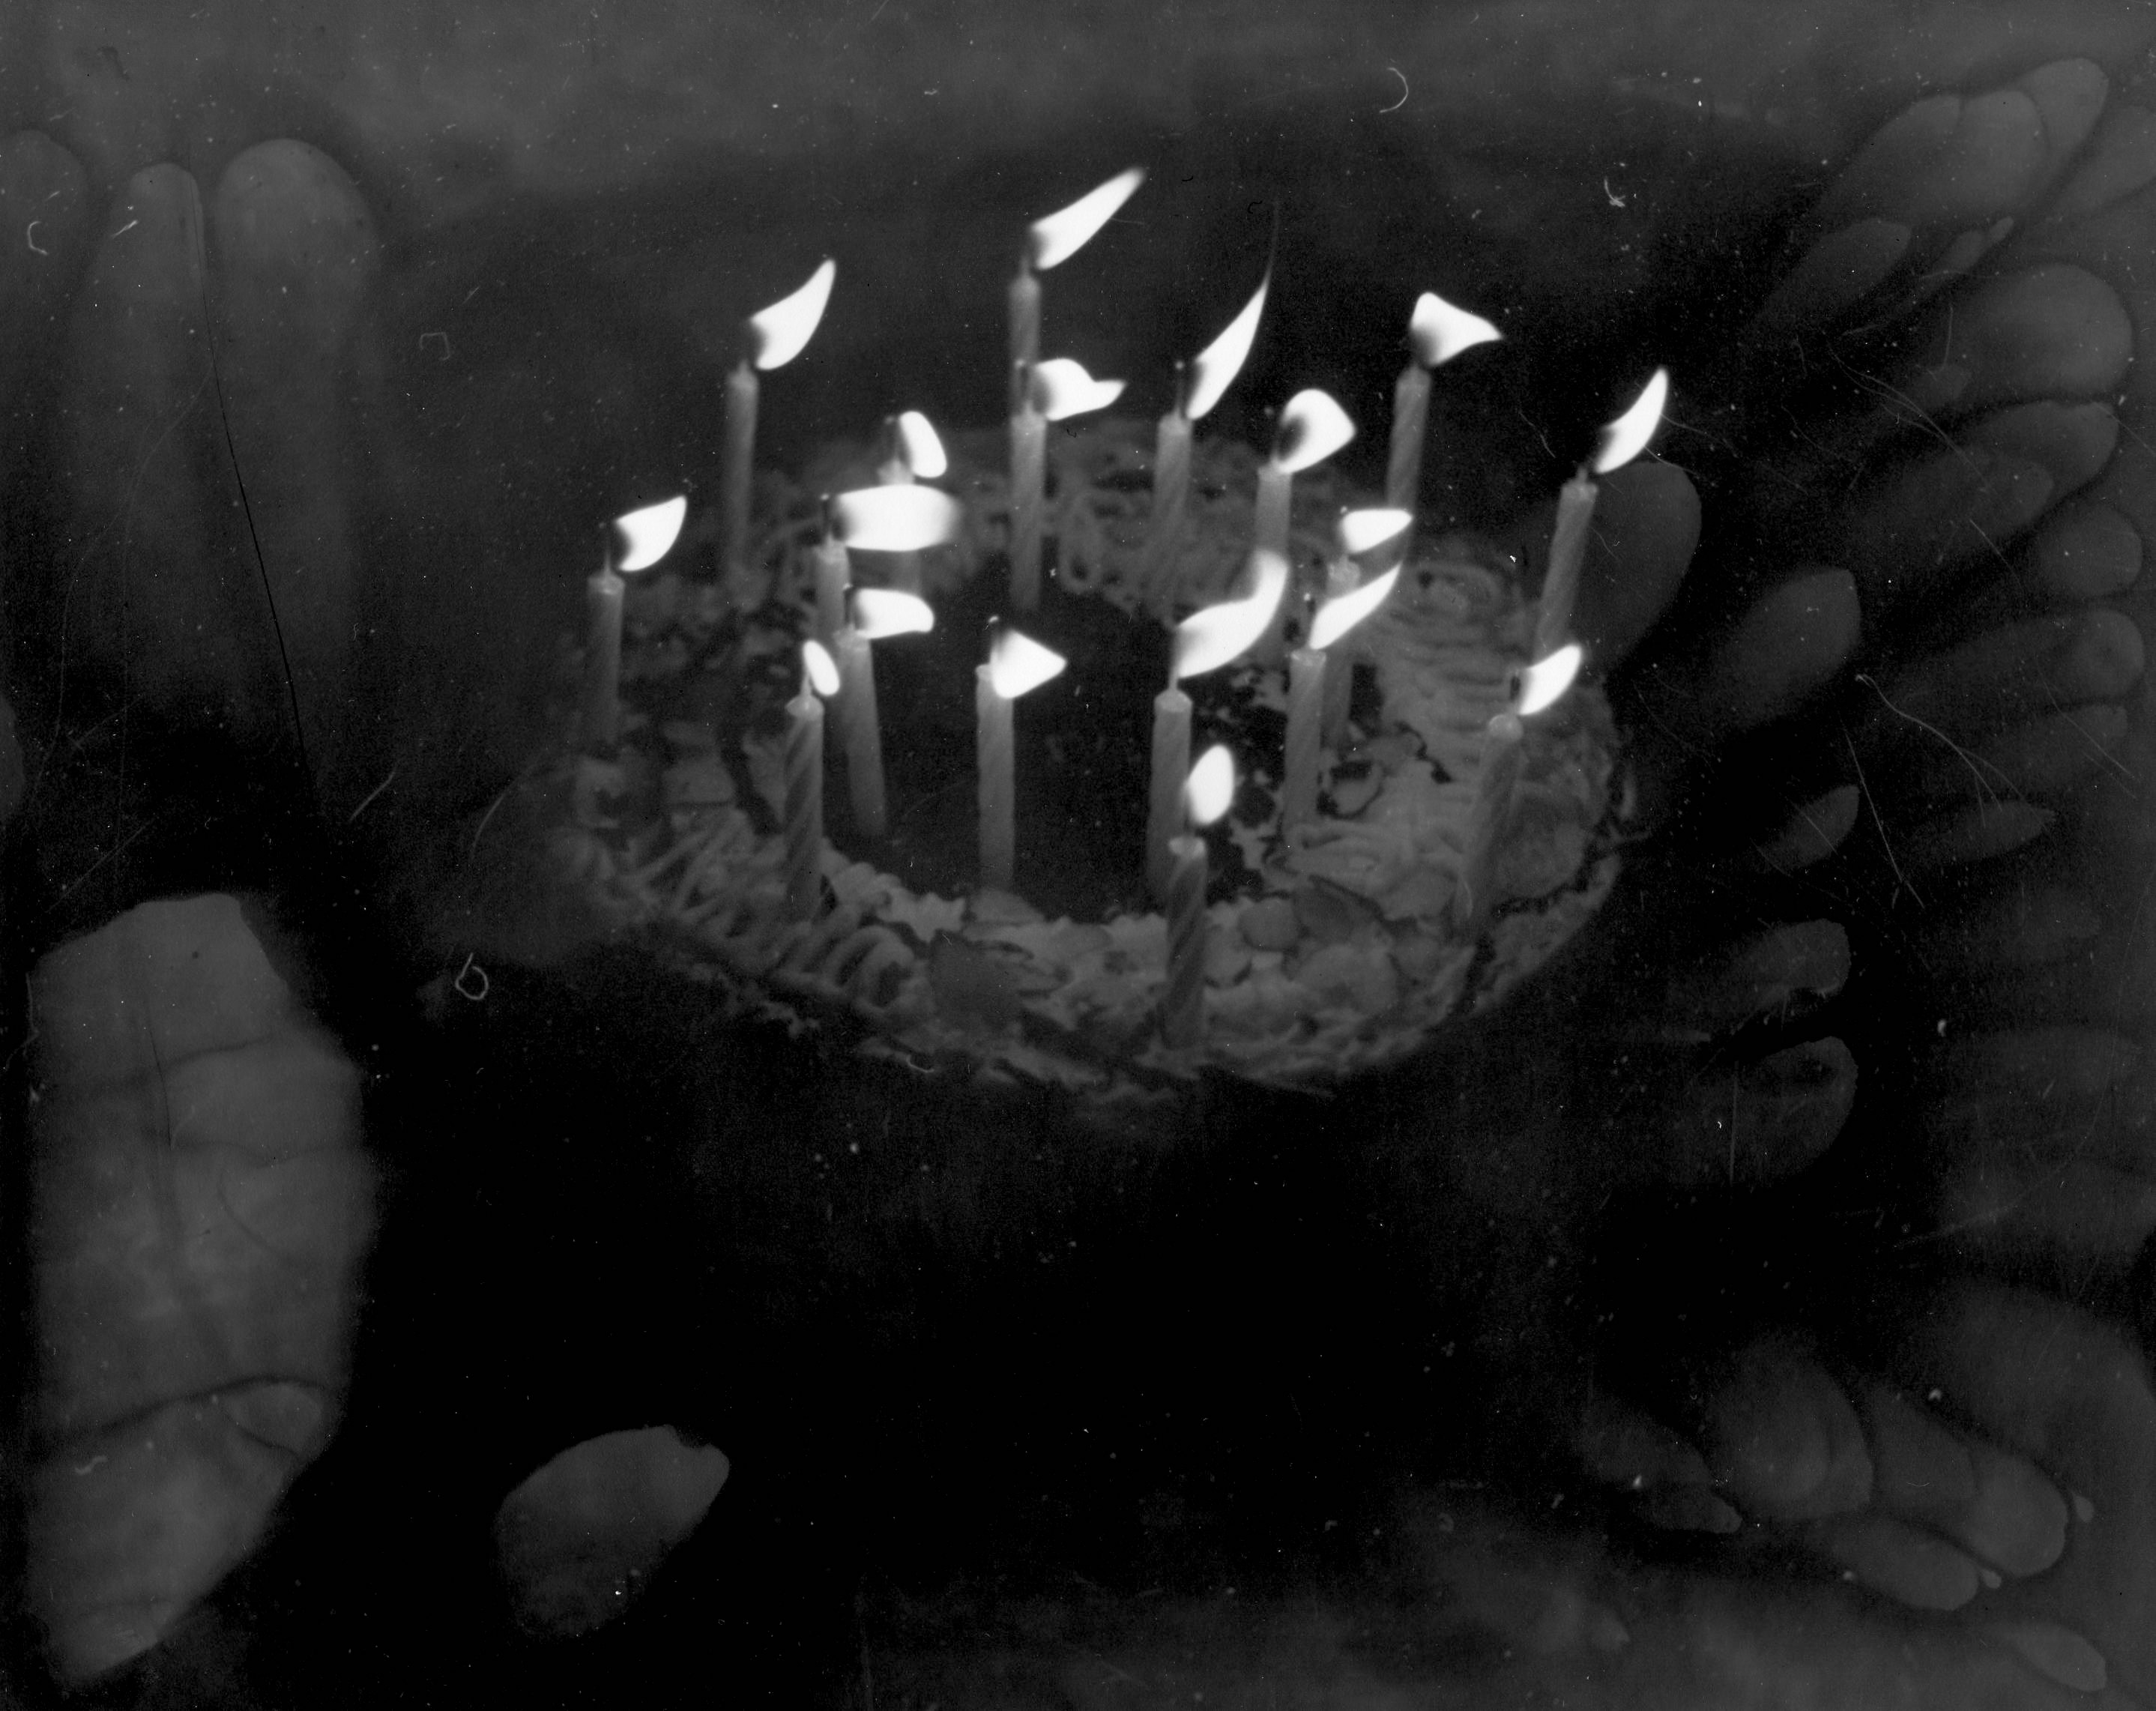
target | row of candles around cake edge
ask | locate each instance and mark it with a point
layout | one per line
(902, 517)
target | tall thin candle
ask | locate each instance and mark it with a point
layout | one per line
(774, 337)
(646, 535)
(1211, 787)
(1622, 440)
(1029, 455)
(804, 784)
(862, 735)
(1305, 725)
(834, 574)
(1015, 665)
(1437, 332)
(1543, 684)
(1170, 766)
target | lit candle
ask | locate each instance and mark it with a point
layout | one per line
(1211, 787)
(1360, 531)
(805, 784)
(1306, 678)
(1207, 640)
(916, 452)
(834, 573)
(1543, 684)
(775, 338)
(1016, 663)
(1622, 440)
(1057, 388)
(1050, 241)
(877, 613)
(645, 536)
(1197, 390)
(1312, 427)
(1437, 332)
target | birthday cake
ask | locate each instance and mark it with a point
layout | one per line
(1331, 949)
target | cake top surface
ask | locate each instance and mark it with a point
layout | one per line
(1332, 950)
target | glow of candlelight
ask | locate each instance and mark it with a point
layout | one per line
(1062, 388)
(782, 329)
(1018, 664)
(884, 612)
(1312, 427)
(1336, 617)
(899, 517)
(1214, 368)
(648, 535)
(1544, 684)
(920, 448)
(819, 669)
(1439, 331)
(1211, 786)
(1361, 530)
(1210, 638)
(1627, 437)
(1054, 238)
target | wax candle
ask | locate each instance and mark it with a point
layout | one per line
(1276, 492)
(1306, 723)
(1171, 502)
(1171, 768)
(804, 792)
(1494, 785)
(1341, 579)
(1016, 663)
(834, 573)
(774, 337)
(1621, 441)
(1206, 797)
(1404, 457)
(1437, 332)
(1024, 323)
(1197, 390)
(916, 452)
(862, 734)
(646, 535)
(994, 741)
(601, 707)
(1029, 455)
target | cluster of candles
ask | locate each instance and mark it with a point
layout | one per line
(901, 516)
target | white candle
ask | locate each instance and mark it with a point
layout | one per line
(804, 804)
(1016, 663)
(1410, 414)
(994, 744)
(1206, 798)
(1341, 578)
(863, 734)
(1170, 766)
(1501, 758)
(1575, 511)
(1171, 501)
(1025, 324)
(1276, 492)
(1028, 451)
(737, 470)
(1306, 720)
(601, 712)
(834, 574)
(1182, 1004)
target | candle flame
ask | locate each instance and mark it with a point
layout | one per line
(782, 329)
(1062, 388)
(1055, 239)
(1439, 331)
(1627, 437)
(648, 535)
(919, 445)
(1544, 684)
(1210, 786)
(1336, 617)
(819, 668)
(1208, 638)
(1018, 663)
(883, 612)
(1214, 368)
(1312, 427)
(900, 518)
(1361, 530)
